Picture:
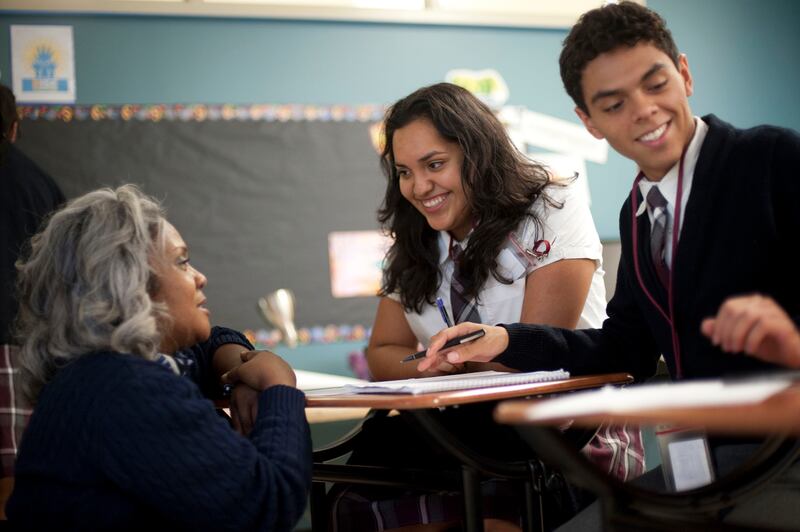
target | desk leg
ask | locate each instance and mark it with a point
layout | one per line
(473, 502)
(534, 501)
(319, 508)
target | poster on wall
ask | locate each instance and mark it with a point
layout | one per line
(525, 127)
(42, 64)
(356, 262)
(488, 85)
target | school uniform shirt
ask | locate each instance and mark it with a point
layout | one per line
(668, 186)
(567, 231)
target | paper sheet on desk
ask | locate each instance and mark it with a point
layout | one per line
(310, 380)
(444, 383)
(610, 400)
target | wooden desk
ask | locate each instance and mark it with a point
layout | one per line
(626, 507)
(420, 410)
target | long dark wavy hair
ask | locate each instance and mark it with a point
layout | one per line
(499, 182)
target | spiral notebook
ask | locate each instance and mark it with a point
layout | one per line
(443, 383)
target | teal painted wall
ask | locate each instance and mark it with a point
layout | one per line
(743, 53)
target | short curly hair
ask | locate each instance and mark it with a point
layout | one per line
(605, 29)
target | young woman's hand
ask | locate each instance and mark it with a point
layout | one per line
(756, 325)
(442, 368)
(484, 349)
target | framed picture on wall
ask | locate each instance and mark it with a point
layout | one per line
(42, 64)
(356, 262)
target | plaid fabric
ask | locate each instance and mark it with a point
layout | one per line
(14, 414)
(658, 234)
(464, 309)
(617, 450)
(370, 508)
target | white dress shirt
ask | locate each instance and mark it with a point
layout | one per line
(668, 186)
(571, 233)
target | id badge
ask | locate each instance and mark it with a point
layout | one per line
(685, 459)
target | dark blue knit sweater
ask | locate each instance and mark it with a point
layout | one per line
(120, 443)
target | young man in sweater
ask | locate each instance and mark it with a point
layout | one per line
(711, 216)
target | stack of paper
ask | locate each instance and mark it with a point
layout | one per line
(311, 380)
(444, 383)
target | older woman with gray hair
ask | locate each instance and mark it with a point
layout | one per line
(111, 312)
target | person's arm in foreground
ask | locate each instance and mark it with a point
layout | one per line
(392, 340)
(623, 344)
(225, 350)
(554, 295)
(758, 326)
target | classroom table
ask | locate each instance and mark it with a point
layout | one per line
(627, 507)
(420, 410)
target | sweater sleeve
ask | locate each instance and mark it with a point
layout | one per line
(165, 445)
(197, 362)
(623, 344)
(785, 189)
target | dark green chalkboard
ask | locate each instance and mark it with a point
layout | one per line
(254, 200)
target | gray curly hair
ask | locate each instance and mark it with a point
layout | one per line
(85, 283)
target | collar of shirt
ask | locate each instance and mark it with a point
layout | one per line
(168, 361)
(668, 185)
(444, 245)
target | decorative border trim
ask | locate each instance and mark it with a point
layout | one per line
(268, 338)
(203, 112)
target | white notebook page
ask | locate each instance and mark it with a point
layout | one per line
(444, 383)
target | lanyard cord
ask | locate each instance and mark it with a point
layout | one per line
(669, 313)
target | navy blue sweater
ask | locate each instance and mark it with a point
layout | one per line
(120, 443)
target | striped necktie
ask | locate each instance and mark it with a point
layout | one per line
(658, 234)
(463, 309)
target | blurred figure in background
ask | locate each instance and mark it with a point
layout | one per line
(27, 196)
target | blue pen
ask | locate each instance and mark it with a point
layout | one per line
(443, 312)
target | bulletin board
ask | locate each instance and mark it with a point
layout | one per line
(254, 190)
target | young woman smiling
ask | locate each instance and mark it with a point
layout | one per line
(494, 236)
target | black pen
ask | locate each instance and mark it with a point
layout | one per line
(458, 340)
